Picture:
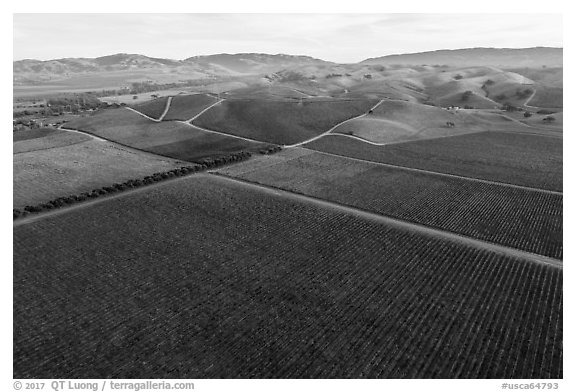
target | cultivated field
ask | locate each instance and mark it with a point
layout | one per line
(280, 122)
(153, 108)
(259, 285)
(518, 218)
(171, 139)
(43, 175)
(44, 138)
(394, 121)
(527, 160)
(184, 107)
(409, 239)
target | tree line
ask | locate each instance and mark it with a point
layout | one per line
(203, 164)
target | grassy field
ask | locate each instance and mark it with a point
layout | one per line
(171, 139)
(153, 108)
(527, 220)
(528, 160)
(280, 122)
(548, 97)
(42, 175)
(394, 121)
(44, 138)
(259, 285)
(184, 107)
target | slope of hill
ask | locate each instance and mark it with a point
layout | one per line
(34, 71)
(280, 122)
(251, 63)
(527, 57)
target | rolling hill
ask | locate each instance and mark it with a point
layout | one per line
(528, 57)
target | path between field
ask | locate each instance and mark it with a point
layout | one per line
(61, 127)
(205, 110)
(397, 223)
(168, 103)
(121, 146)
(526, 188)
(398, 141)
(141, 114)
(221, 133)
(334, 127)
(529, 99)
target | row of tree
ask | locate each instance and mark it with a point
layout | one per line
(204, 164)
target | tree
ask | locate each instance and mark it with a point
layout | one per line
(527, 114)
(458, 77)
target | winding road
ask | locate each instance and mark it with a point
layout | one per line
(333, 128)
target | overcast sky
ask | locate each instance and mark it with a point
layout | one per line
(334, 37)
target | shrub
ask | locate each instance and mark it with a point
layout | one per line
(527, 114)
(16, 213)
(545, 111)
(56, 203)
(32, 209)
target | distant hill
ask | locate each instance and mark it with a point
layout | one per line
(250, 63)
(297, 72)
(502, 58)
(32, 71)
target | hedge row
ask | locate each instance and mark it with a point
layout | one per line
(271, 150)
(205, 164)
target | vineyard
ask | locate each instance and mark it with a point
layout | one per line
(518, 218)
(44, 139)
(171, 139)
(153, 108)
(521, 159)
(280, 122)
(184, 107)
(259, 285)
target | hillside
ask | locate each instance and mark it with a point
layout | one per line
(528, 57)
(251, 63)
(31, 71)
(278, 66)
